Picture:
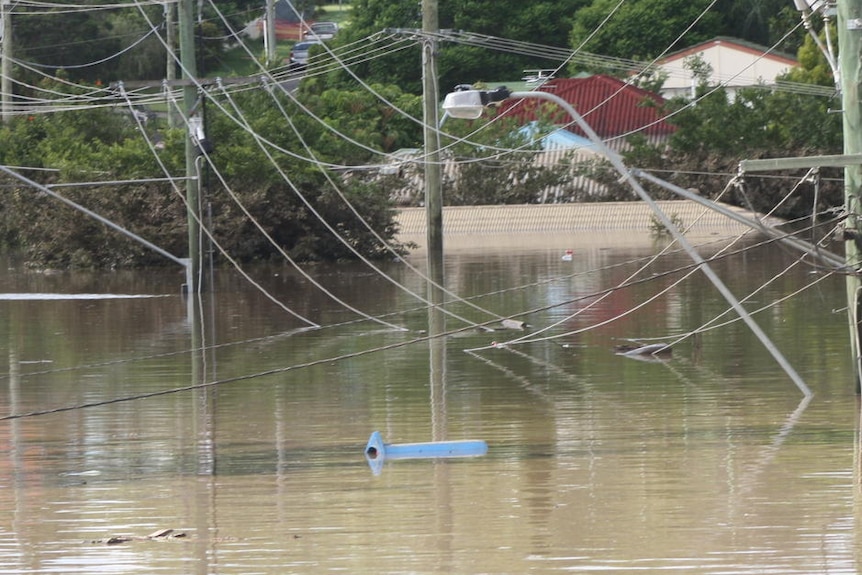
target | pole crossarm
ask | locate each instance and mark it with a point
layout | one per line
(771, 164)
(825, 256)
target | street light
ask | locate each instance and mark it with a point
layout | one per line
(467, 103)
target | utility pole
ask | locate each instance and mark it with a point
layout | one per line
(434, 219)
(5, 60)
(849, 43)
(433, 170)
(269, 39)
(190, 96)
(170, 63)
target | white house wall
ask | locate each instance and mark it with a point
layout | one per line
(733, 65)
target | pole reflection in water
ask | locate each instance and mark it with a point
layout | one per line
(204, 426)
(437, 363)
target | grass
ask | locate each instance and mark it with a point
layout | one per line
(339, 13)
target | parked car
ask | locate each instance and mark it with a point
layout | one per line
(299, 53)
(321, 31)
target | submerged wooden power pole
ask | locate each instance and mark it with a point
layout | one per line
(849, 22)
(434, 220)
(433, 171)
(269, 39)
(190, 95)
(6, 60)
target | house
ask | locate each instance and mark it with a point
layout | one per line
(289, 23)
(733, 63)
(614, 109)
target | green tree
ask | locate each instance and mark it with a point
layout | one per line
(541, 22)
(57, 38)
(102, 144)
(642, 29)
(497, 164)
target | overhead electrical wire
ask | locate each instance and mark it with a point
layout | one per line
(97, 62)
(531, 338)
(259, 340)
(338, 236)
(304, 365)
(309, 206)
(36, 8)
(370, 228)
(215, 242)
(383, 241)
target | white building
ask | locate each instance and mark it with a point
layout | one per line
(734, 63)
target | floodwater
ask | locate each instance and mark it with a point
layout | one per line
(130, 411)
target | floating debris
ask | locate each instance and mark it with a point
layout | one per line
(376, 452)
(514, 324)
(90, 473)
(160, 535)
(568, 345)
(650, 349)
(650, 352)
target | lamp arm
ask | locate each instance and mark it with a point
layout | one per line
(617, 161)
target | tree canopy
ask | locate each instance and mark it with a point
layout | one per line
(352, 120)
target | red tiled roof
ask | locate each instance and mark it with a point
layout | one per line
(609, 105)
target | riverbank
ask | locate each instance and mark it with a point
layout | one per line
(546, 225)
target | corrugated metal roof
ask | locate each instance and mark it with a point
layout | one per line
(609, 105)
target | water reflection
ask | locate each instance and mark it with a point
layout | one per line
(250, 437)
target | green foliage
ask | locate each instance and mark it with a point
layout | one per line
(658, 230)
(487, 173)
(58, 38)
(539, 21)
(641, 29)
(765, 22)
(717, 132)
(382, 118)
(106, 145)
(813, 67)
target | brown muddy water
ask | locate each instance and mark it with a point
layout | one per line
(251, 449)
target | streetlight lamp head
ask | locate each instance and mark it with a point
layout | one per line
(468, 104)
(464, 104)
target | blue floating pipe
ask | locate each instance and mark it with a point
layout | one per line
(377, 452)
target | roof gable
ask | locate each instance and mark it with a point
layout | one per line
(733, 63)
(734, 45)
